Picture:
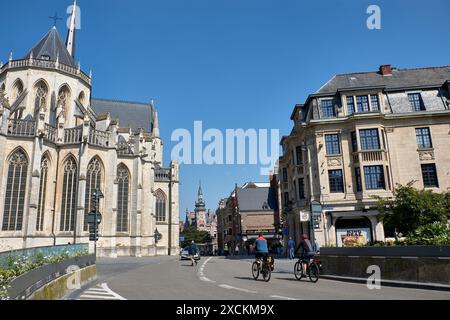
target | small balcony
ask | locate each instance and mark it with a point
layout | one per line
(51, 133)
(369, 156)
(21, 128)
(99, 138)
(73, 135)
(125, 148)
(162, 175)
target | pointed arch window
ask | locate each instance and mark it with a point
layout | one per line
(42, 194)
(15, 192)
(41, 90)
(93, 181)
(69, 195)
(160, 206)
(15, 94)
(123, 181)
(63, 100)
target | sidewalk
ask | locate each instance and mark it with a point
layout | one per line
(284, 265)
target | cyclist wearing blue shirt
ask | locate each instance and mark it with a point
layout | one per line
(261, 248)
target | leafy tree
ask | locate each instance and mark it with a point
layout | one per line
(412, 208)
(191, 234)
(436, 233)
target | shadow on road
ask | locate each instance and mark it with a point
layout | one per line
(295, 280)
(245, 278)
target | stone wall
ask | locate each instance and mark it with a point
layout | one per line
(408, 264)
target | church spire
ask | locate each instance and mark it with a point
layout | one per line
(200, 202)
(155, 132)
(70, 42)
(200, 191)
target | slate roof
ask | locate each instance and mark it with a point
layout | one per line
(51, 45)
(253, 199)
(400, 79)
(130, 114)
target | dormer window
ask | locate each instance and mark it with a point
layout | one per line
(45, 57)
(328, 109)
(375, 106)
(364, 103)
(416, 102)
(351, 105)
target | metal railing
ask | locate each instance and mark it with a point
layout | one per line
(21, 128)
(162, 175)
(73, 135)
(99, 138)
(51, 133)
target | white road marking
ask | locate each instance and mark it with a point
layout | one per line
(225, 286)
(105, 286)
(96, 297)
(100, 292)
(201, 270)
(283, 298)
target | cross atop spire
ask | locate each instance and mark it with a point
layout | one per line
(55, 19)
(70, 42)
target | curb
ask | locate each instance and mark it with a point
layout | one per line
(392, 283)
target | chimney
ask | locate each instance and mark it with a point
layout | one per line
(386, 70)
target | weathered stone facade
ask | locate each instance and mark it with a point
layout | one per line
(50, 123)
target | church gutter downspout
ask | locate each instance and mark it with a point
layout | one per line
(54, 199)
(170, 213)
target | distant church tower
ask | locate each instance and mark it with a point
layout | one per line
(200, 211)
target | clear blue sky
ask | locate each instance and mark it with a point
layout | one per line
(230, 63)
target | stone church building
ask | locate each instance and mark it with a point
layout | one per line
(58, 145)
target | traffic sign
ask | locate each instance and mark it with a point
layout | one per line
(91, 218)
(316, 208)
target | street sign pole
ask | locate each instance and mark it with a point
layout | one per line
(95, 221)
(316, 213)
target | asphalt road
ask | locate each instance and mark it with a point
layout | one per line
(216, 278)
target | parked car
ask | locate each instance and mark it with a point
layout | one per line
(185, 254)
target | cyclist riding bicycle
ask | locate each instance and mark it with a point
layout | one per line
(261, 248)
(307, 251)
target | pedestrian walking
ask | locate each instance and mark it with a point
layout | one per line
(225, 249)
(291, 245)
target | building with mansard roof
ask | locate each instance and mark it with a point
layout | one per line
(354, 140)
(59, 145)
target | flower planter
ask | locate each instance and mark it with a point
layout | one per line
(23, 286)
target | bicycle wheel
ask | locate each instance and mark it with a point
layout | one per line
(267, 272)
(298, 270)
(255, 270)
(314, 272)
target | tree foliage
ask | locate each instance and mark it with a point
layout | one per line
(412, 208)
(431, 234)
(191, 234)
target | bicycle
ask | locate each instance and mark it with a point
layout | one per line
(263, 268)
(312, 270)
